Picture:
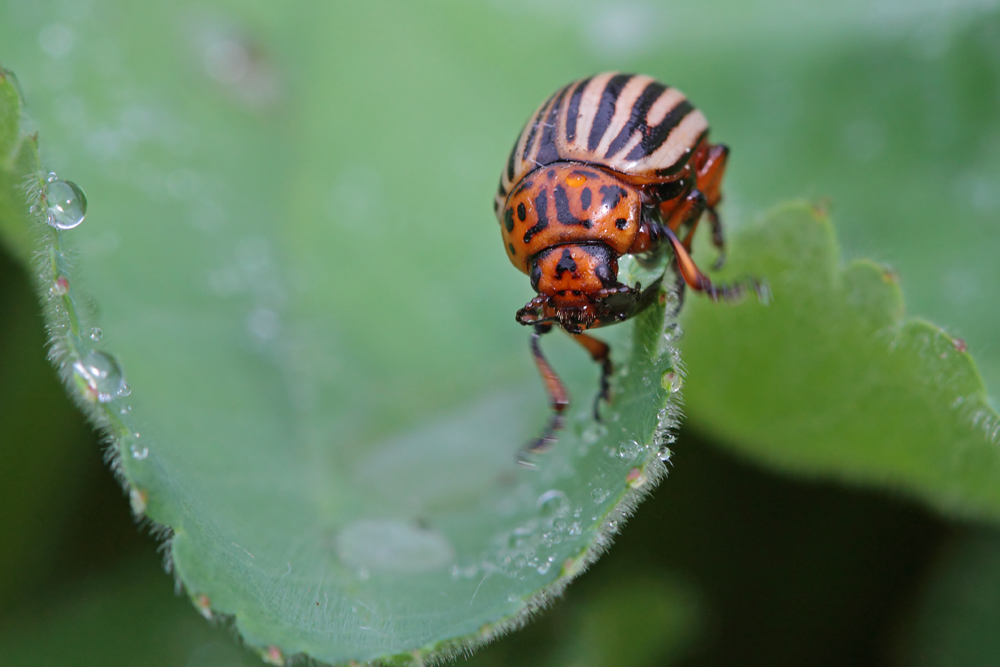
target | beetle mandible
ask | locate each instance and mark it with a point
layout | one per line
(610, 165)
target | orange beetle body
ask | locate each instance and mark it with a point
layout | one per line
(609, 165)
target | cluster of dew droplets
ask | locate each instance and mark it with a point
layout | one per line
(97, 374)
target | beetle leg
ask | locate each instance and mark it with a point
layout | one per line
(718, 240)
(533, 312)
(711, 167)
(698, 281)
(599, 352)
(557, 394)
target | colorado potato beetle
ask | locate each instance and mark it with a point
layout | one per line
(610, 165)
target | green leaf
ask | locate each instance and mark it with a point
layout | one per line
(130, 618)
(18, 155)
(640, 619)
(833, 380)
(956, 621)
(320, 536)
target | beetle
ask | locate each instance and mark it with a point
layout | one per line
(609, 165)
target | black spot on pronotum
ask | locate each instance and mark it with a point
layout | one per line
(603, 273)
(566, 263)
(621, 223)
(508, 219)
(541, 209)
(585, 198)
(521, 213)
(563, 214)
(612, 194)
(510, 246)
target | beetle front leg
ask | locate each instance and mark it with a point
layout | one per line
(557, 394)
(601, 353)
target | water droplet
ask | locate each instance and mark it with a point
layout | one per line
(125, 390)
(598, 495)
(635, 478)
(95, 334)
(33, 209)
(629, 450)
(393, 546)
(575, 529)
(67, 205)
(672, 381)
(594, 432)
(99, 376)
(544, 566)
(646, 380)
(204, 605)
(125, 409)
(665, 453)
(51, 178)
(60, 287)
(553, 503)
(138, 499)
(139, 453)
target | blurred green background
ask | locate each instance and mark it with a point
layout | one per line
(888, 111)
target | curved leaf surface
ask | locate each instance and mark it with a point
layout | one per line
(317, 536)
(832, 379)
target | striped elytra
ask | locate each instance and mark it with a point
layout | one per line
(627, 123)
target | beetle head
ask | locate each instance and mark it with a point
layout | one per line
(578, 288)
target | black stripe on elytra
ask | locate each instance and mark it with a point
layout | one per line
(612, 194)
(510, 165)
(566, 263)
(573, 111)
(521, 212)
(585, 197)
(584, 173)
(655, 136)
(541, 209)
(606, 109)
(683, 159)
(508, 219)
(547, 150)
(534, 130)
(637, 119)
(563, 214)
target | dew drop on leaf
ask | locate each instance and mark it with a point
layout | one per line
(66, 205)
(99, 376)
(553, 503)
(95, 334)
(672, 381)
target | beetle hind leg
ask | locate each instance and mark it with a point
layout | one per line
(601, 353)
(710, 166)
